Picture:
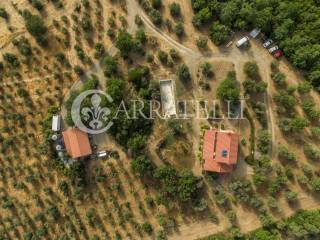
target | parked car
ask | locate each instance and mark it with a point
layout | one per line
(278, 54)
(273, 49)
(102, 154)
(242, 41)
(255, 32)
(267, 43)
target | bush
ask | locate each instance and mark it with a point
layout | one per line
(36, 4)
(291, 196)
(156, 17)
(35, 27)
(139, 77)
(202, 43)
(251, 69)
(279, 78)
(147, 228)
(141, 36)
(163, 57)
(264, 140)
(285, 154)
(206, 69)
(286, 101)
(11, 59)
(184, 73)
(141, 165)
(312, 152)
(179, 30)
(3, 13)
(304, 87)
(124, 43)
(78, 70)
(175, 9)
(110, 66)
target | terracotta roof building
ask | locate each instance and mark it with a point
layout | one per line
(220, 151)
(77, 143)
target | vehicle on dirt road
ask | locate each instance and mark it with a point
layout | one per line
(267, 43)
(278, 54)
(273, 49)
(242, 42)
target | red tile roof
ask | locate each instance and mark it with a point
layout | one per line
(220, 150)
(77, 143)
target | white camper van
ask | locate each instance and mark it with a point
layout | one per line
(243, 41)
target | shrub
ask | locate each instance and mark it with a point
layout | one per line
(175, 9)
(147, 228)
(312, 152)
(124, 43)
(179, 30)
(202, 43)
(139, 76)
(285, 154)
(285, 100)
(251, 69)
(110, 66)
(184, 73)
(3, 13)
(163, 57)
(304, 87)
(141, 165)
(291, 196)
(138, 20)
(78, 70)
(264, 140)
(11, 59)
(156, 17)
(206, 69)
(141, 36)
(35, 27)
(279, 78)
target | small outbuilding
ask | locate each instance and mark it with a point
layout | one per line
(77, 143)
(220, 151)
(56, 123)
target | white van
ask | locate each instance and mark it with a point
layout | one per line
(242, 41)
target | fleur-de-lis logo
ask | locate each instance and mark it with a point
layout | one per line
(95, 116)
(95, 113)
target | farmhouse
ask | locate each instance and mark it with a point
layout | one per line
(77, 143)
(220, 151)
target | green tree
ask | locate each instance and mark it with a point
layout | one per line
(179, 30)
(251, 69)
(141, 165)
(228, 89)
(124, 42)
(35, 27)
(110, 66)
(219, 33)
